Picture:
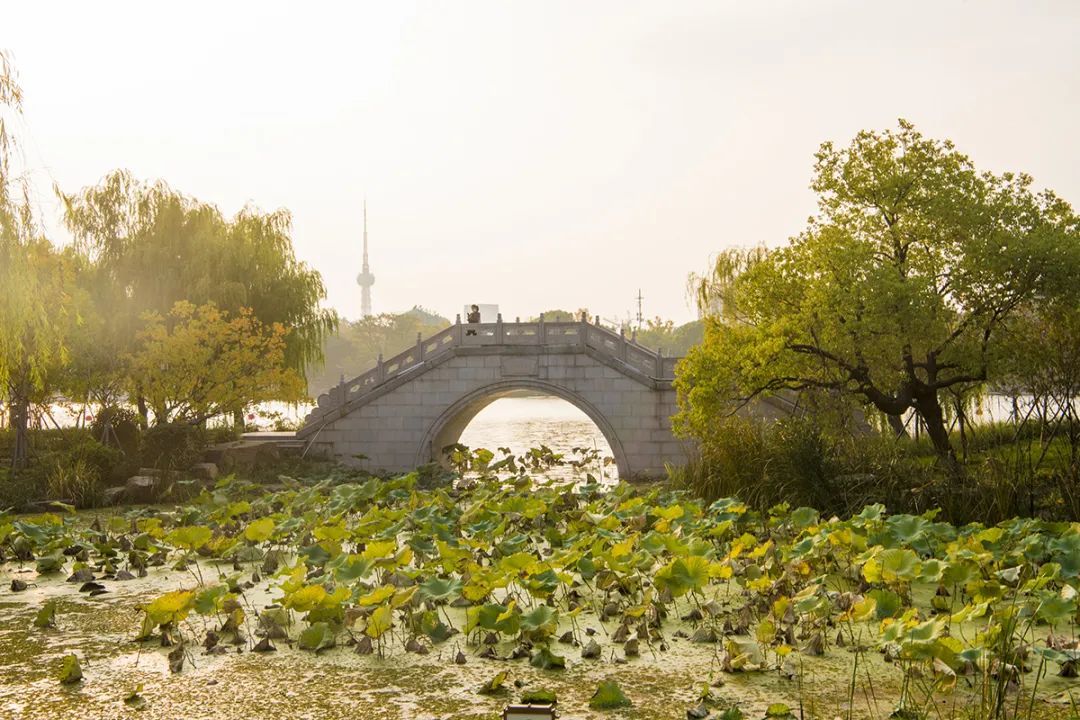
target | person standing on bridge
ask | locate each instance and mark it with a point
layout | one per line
(473, 318)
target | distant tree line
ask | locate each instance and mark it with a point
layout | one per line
(656, 333)
(357, 344)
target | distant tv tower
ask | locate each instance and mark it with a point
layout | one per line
(640, 317)
(365, 279)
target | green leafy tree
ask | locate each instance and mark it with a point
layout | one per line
(38, 316)
(95, 372)
(897, 291)
(201, 362)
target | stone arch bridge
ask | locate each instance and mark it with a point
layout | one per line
(402, 412)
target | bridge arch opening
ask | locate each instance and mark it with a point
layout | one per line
(524, 413)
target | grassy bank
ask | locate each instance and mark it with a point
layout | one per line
(1004, 471)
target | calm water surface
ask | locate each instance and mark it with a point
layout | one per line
(524, 423)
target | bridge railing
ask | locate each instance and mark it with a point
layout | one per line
(581, 334)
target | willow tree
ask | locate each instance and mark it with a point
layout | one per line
(896, 292)
(151, 247)
(260, 271)
(36, 282)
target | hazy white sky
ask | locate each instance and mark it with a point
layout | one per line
(531, 154)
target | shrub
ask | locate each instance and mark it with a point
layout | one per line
(284, 424)
(104, 460)
(18, 491)
(220, 434)
(172, 446)
(798, 462)
(66, 465)
(76, 481)
(123, 429)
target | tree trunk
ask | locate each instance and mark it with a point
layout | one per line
(897, 424)
(929, 408)
(238, 423)
(144, 412)
(20, 420)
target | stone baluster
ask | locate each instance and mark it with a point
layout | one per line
(541, 333)
(659, 363)
(458, 330)
(499, 329)
(622, 344)
(419, 347)
(380, 371)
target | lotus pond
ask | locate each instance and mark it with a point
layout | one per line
(350, 596)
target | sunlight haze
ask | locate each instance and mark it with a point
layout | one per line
(534, 155)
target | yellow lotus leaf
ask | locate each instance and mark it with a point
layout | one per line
(403, 596)
(379, 622)
(623, 548)
(377, 595)
(333, 533)
(379, 549)
(172, 607)
(306, 598)
(259, 530)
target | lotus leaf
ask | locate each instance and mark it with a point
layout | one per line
(379, 622)
(440, 589)
(306, 598)
(544, 659)
(189, 537)
(170, 608)
(317, 636)
(259, 530)
(541, 619)
(609, 696)
(495, 685)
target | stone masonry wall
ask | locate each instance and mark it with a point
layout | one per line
(396, 429)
